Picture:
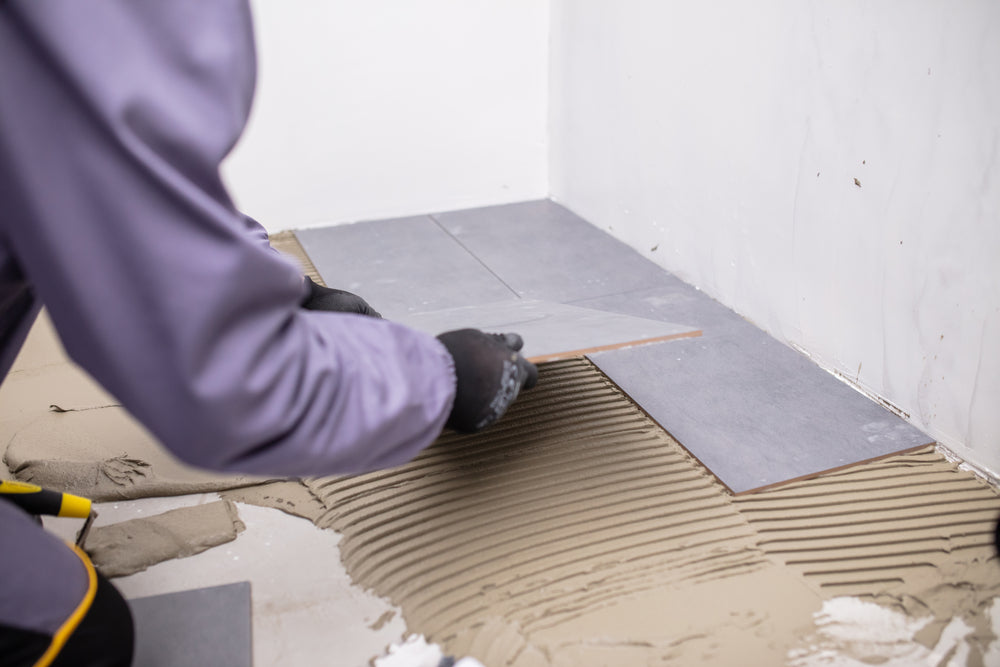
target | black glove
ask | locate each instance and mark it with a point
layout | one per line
(490, 373)
(326, 298)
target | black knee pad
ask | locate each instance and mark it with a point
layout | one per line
(106, 634)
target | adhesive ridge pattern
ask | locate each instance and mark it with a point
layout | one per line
(575, 502)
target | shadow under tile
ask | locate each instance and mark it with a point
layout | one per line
(401, 266)
(754, 411)
(204, 626)
(544, 251)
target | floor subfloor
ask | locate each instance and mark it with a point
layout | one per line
(836, 488)
(909, 530)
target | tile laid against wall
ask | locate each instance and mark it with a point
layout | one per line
(544, 251)
(752, 410)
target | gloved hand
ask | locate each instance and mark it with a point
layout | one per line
(326, 298)
(490, 374)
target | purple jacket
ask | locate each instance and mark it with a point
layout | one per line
(114, 116)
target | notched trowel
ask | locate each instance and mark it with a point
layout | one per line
(81, 537)
(37, 501)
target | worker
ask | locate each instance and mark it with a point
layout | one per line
(114, 117)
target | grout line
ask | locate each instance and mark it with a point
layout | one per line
(474, 256)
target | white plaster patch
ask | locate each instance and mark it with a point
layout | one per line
(992, 654)
(416, 652)
(852, 633)
(952, 649)
(855, 633)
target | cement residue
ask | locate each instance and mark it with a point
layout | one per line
(90, 445)
(913, 533)
(27, 395)
(104, 455)
(61, 430)
(573, 532)
(852, 632)
(132, 546)
(577, 532)
(291, 497)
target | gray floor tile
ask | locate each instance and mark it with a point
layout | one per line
(544, 251)
(401, 266)
(754, 411)
(205, 626)
(549, 329)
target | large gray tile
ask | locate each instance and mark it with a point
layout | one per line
(754, 411)
(550, 330)
(204, 626)
(401, 266)
(544, 251)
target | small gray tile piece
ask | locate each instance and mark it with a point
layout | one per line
(754, 411)
(204, 626)
(548, 328)
(401, 266)
(544, 251)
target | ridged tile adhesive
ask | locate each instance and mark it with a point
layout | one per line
(913, 531)
(574, 532)
(577, 532)
(288, 245)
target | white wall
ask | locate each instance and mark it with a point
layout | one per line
(729, 135)
(378, 108)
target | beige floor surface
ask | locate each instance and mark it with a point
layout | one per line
(898, 554)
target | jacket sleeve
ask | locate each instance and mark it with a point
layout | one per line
(256, 231)
(114, 116)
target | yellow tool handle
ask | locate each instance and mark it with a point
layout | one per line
(36, 500)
